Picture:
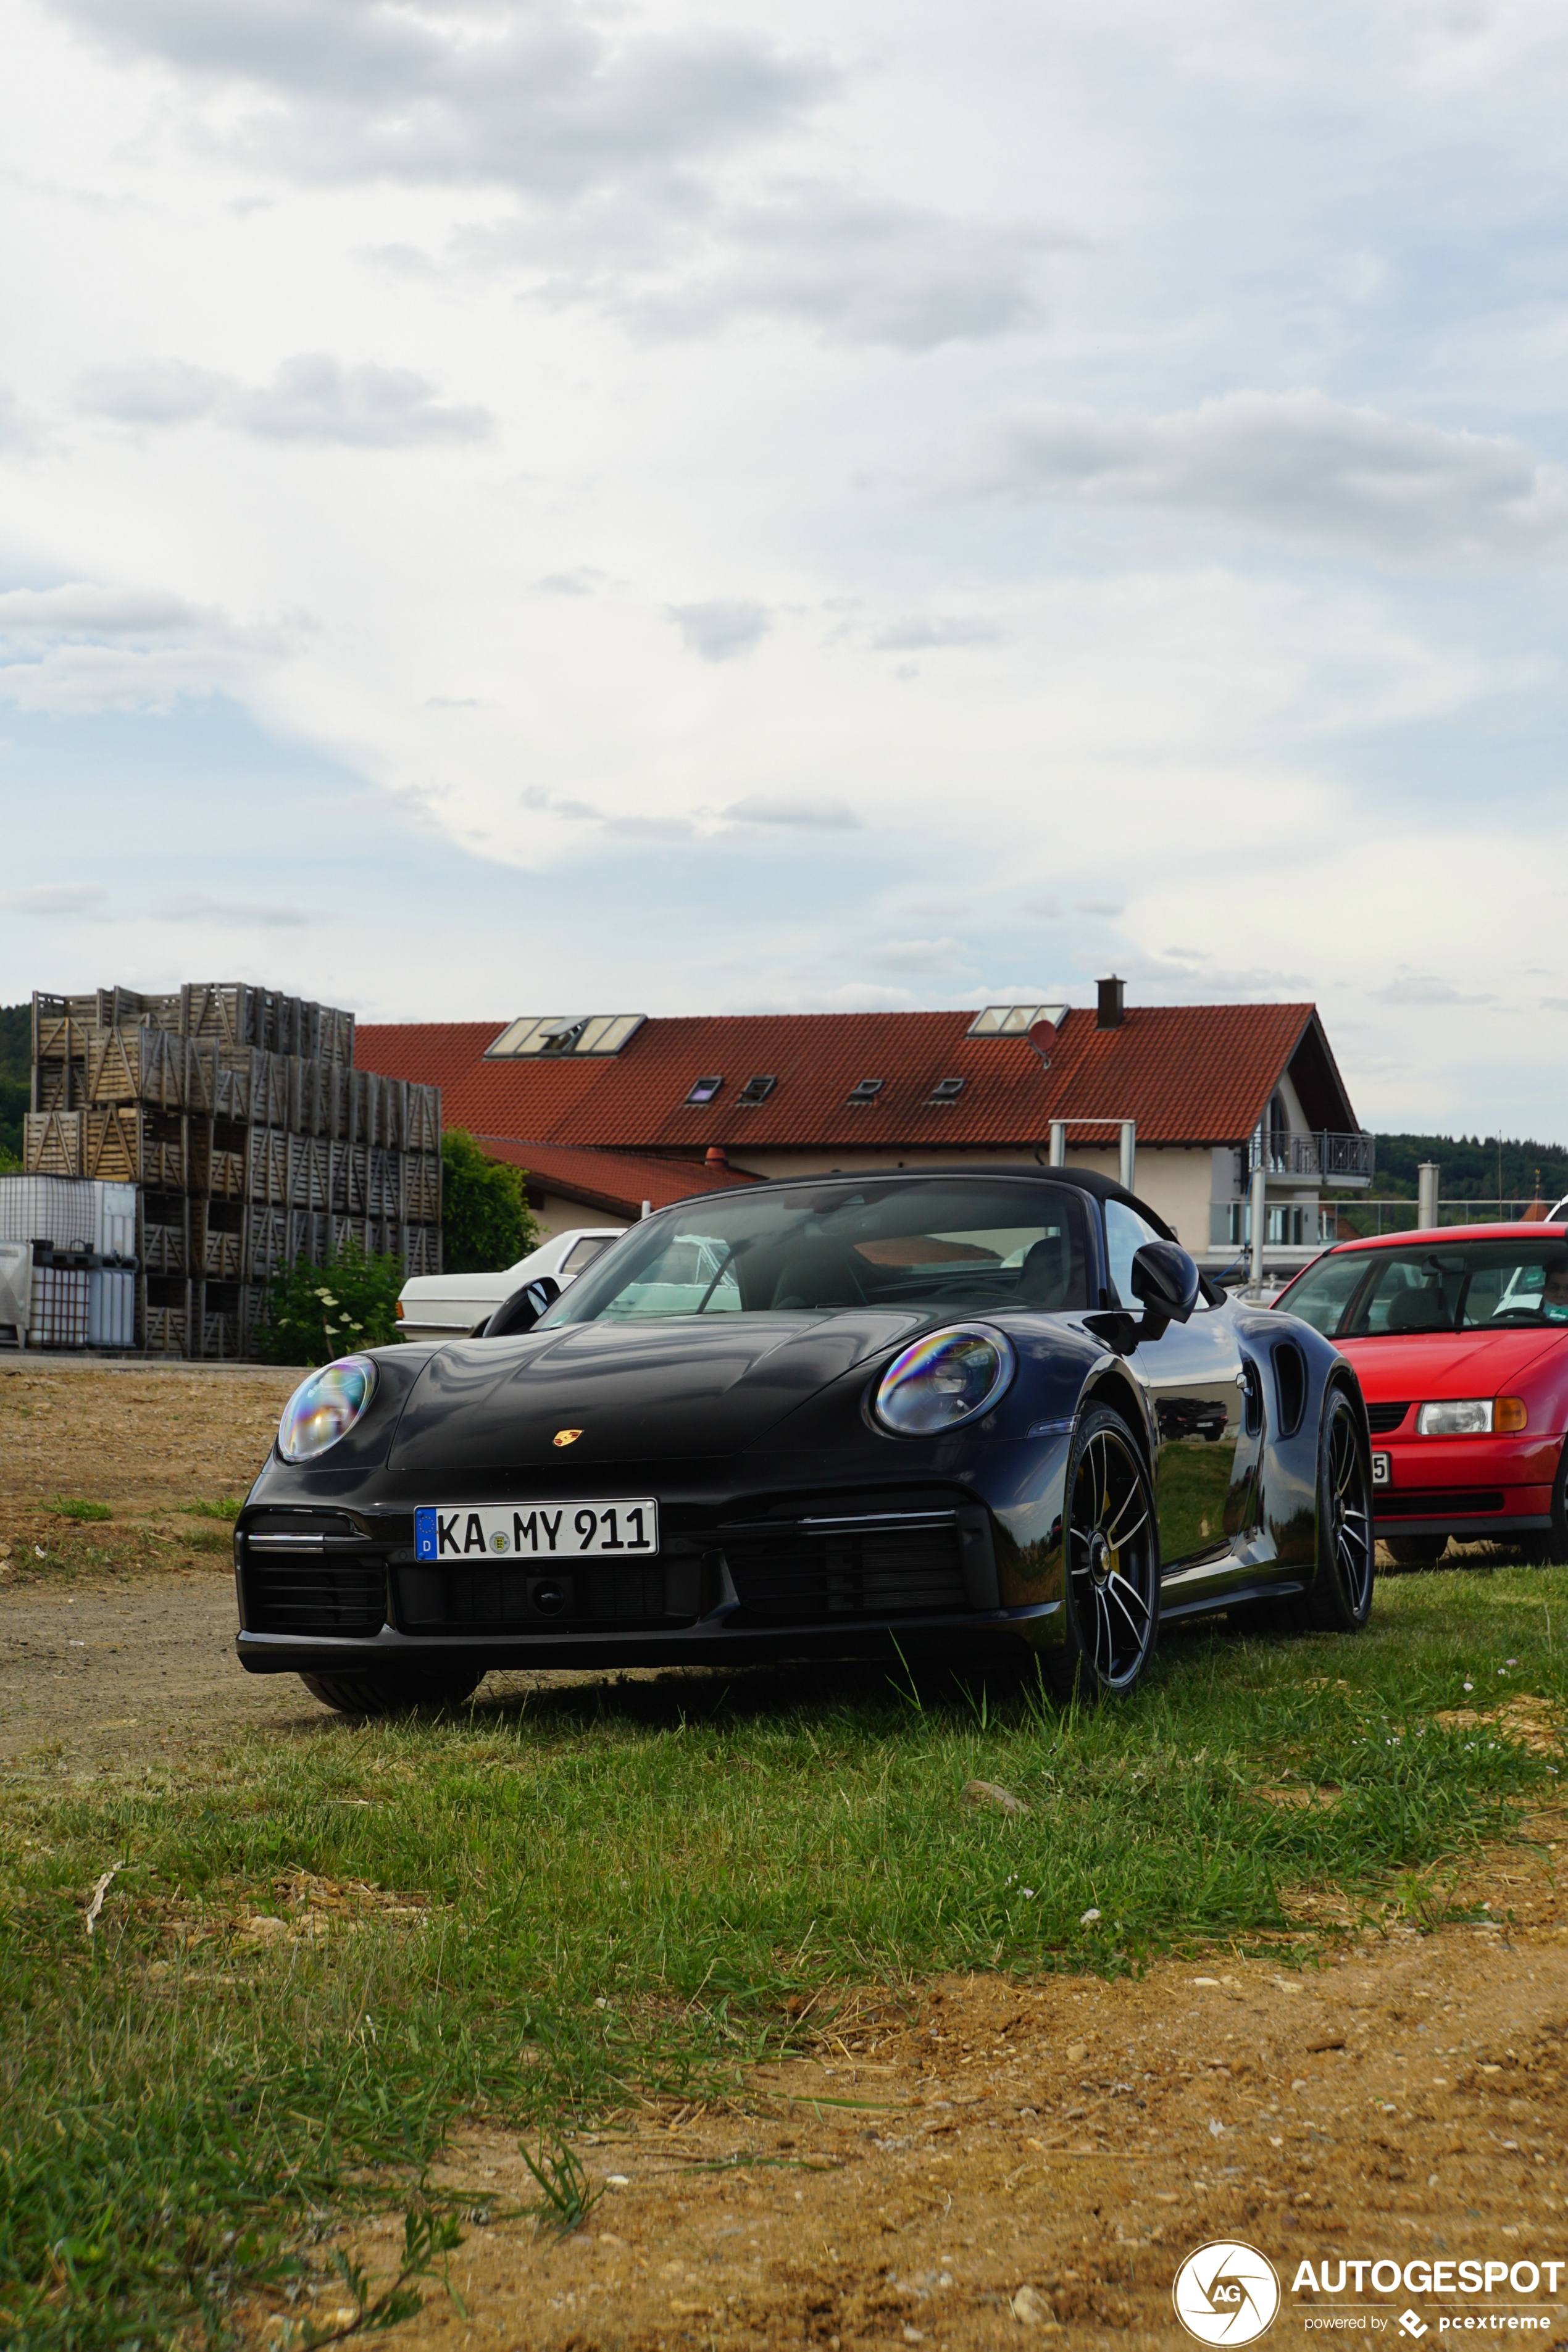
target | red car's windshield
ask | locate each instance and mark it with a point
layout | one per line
(1469, 1286)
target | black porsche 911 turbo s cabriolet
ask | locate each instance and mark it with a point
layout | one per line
(952, 1412)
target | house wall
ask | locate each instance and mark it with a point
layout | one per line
(1176, 1182)
(555, 1213)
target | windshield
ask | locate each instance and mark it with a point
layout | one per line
(1473, 1286)
(956, 1245)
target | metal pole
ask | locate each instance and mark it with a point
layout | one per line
(1259, 1209)
(1128, 1153)
(1058, 1143)
(1427, 1193)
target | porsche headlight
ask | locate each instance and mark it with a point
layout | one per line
(325, 1408)
(947, 1378)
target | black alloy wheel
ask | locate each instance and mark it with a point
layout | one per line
(1112, 1563)
(391, 1694)
(1339, 1599)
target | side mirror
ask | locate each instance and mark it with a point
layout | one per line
(522, 1310)
(1166, 1283)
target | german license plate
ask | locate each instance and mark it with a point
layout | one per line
(533, 1531)
(1381, 1470)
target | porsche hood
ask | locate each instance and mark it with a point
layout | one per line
(649, 1390)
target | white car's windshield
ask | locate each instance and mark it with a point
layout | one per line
(1469, 1286)
(956, 1243)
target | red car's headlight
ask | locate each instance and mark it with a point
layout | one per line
(1471, 1417)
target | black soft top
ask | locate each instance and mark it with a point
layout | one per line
(1083, 1179)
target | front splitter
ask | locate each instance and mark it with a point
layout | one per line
(710, 1642)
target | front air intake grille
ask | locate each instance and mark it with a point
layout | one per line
(1383, 1418)
(311, 1572)
(330, 1597)
(887, 1572)
(509, 1599)
(1443, 1503)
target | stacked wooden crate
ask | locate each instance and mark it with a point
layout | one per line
(252, 1139)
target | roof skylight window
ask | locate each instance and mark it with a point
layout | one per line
(704, 1089)
(757, 1090)
(554, 1036)
(1014, 1020)
(866, 1091)
(946, 1090)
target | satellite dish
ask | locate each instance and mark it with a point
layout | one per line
(1041, 1038)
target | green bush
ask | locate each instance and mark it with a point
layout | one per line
(314, 1313)
(485, 1219)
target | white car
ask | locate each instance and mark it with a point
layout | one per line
(447, 1305)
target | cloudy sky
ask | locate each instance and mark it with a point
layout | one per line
(528, 506)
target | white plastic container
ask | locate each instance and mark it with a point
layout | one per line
(59, 1305)
(110, 1307)
(114, 1220)
(69, 1212)
(15, 1292)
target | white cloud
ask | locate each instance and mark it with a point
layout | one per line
(1297, 464)
(58, 899)
(790, 809)
(16, 431)
(582, 582)
(721, 631)
(150, 391)
(85, 647)
(927, 634)
(312, 397)
(1426, 988)
(199, 907)
(943, 958)
(526, 94)
(855, 268)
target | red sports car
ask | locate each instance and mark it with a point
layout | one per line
(1460, 1340)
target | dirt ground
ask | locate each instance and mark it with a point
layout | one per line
(982, 2164)
(973, 2164)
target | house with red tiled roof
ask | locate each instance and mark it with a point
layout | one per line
(610, 1111)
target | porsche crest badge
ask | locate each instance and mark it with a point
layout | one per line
(567, 1436)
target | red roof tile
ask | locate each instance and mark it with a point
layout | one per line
(1190, 1073)
(612, 1181)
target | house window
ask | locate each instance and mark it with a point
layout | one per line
(757, 1090)
(1292, 1225)
(866, 1091)
(946, 1090)
(704, 1089)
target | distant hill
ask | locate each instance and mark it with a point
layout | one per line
(1469, 1165)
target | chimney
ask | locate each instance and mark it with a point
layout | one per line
(716, 1156)
(1112, 1012)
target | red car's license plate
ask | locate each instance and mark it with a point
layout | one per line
(1381, 1470)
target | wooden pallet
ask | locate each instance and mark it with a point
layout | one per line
(136, 1066)
(52, 1142)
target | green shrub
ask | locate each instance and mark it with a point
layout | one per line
(485, 1218)
(314, 1313)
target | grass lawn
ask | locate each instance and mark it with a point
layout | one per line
(317, 1956)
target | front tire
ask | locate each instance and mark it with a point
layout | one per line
(1339, 1599)
(391, 1694)
(1112, 1564)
